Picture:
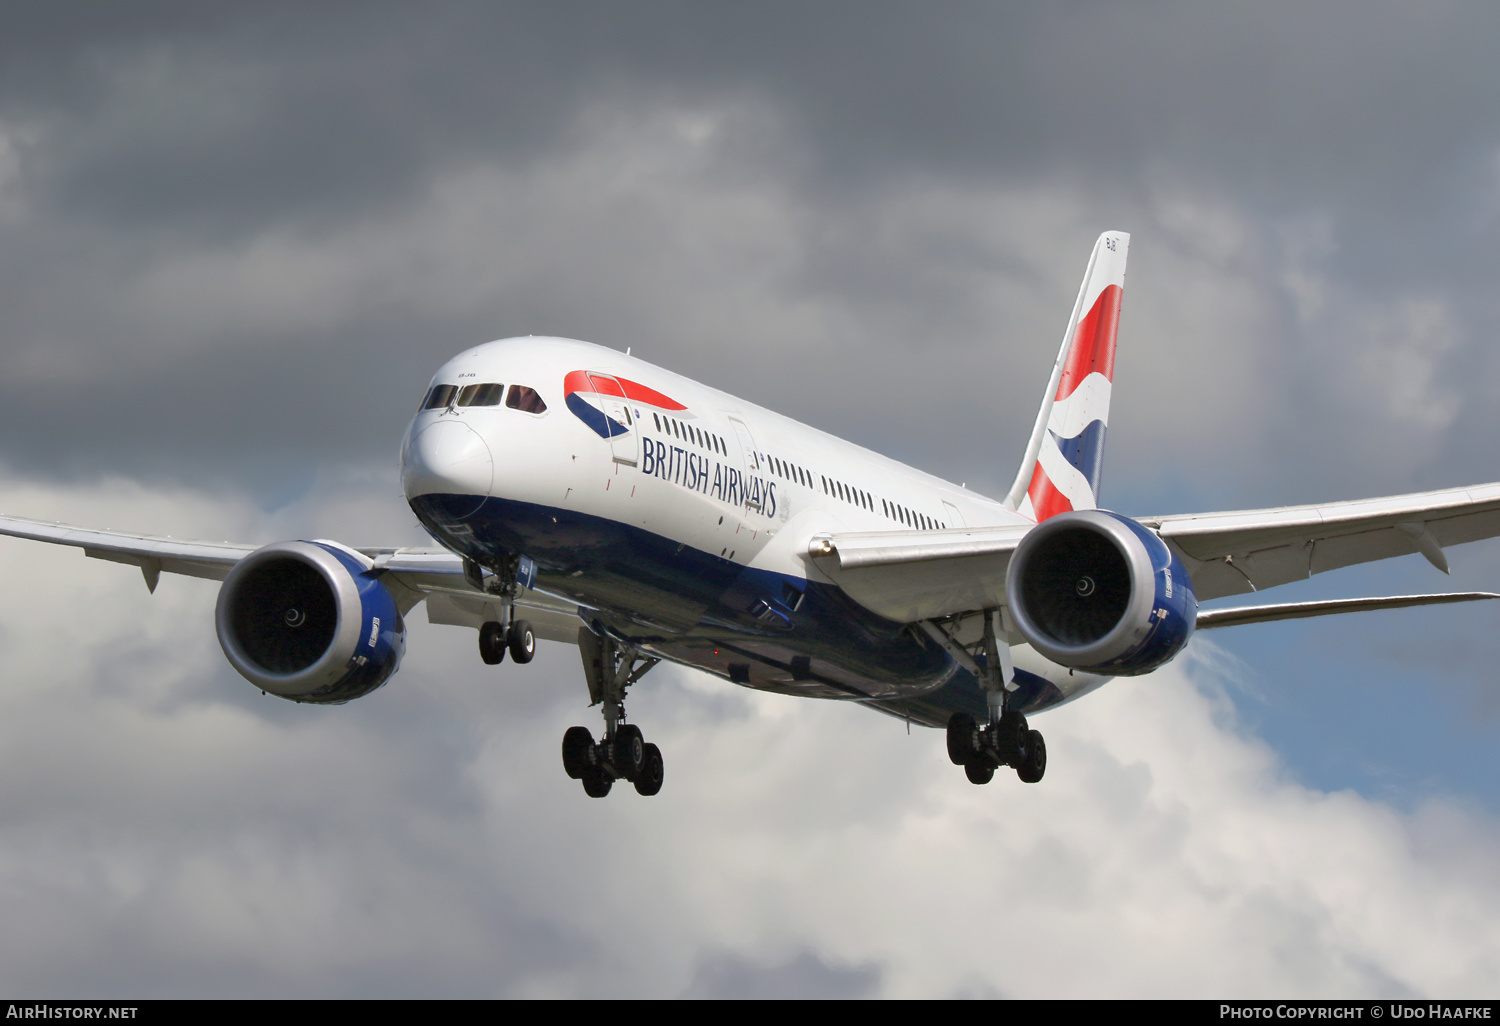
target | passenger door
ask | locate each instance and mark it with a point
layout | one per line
(749, 463)
(626, 444)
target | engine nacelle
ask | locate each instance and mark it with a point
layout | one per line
(1096, 591)
(307, 621)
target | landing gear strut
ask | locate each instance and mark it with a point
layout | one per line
(1005, 739)
(623, 753)
(496, 637)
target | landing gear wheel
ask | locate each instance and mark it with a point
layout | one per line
(522, 642)
(1034, 761)
(979, 772)
(648, 781)
(578, 751)
(596, 783)
(962, 735)
(630, 751)
(1010, 738)
(492, 643)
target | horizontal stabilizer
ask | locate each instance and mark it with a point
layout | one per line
(1210, 618)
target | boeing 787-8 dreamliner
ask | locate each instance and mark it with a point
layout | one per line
(584, 496)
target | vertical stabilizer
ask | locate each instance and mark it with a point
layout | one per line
(1066, 454)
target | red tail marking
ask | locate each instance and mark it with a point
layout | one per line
(1046, 500)
(1094, 343)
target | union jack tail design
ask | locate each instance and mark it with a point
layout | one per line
(1063, 461)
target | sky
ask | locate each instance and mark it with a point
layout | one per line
(237, 242)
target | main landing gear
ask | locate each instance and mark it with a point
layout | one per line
(1006, 742)
(1005, 739)
(623, 753)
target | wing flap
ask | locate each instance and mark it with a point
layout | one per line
(908, 576)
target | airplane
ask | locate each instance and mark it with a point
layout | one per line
(579, 495)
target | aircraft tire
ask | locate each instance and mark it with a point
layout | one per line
(648, 782)
(577, 751)
(630, 751)
(522, 642)
(596, 782)
(1010, 739)
(961, 736)
(1034, 761)
(979, 772)
(492, 643)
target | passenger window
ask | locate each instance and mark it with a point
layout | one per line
(440, 396)
(486, 394)
(525, 399)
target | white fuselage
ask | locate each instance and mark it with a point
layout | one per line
(679, 516)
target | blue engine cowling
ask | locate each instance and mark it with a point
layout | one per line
(308, 621)
(1096, 591)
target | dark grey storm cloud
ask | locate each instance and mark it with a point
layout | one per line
(291, 112)
(169, 131)
(238, 240)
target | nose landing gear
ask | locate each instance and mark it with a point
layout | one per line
(623, 753)
(495, 639)
(508, 634)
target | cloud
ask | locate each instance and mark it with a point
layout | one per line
(164, 829)
(239, 243)
(804, 977)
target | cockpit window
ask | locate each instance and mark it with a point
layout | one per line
(440, 396)
(487, 394)
(525, 399)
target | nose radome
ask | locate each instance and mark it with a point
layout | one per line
(448, 457)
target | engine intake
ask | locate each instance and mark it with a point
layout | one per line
(1096, 591)
(306, 621)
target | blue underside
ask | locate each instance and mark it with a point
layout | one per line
(769, 631)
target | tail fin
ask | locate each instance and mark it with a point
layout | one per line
(1066, 454)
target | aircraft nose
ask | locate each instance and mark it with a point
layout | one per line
(448, 458)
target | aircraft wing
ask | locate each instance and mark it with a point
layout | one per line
(414, 574)
(1234, 553)
(908, 576)
(1211, 618)
(212, 560)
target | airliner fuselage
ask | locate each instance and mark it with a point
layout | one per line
(677, 517)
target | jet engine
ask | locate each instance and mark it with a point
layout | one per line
(310, 622)
(1096, 591)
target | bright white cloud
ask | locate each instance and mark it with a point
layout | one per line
(164, 829)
